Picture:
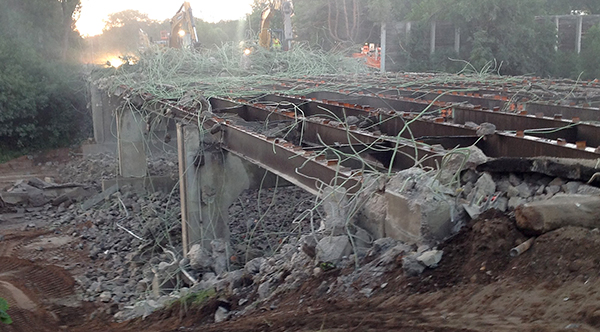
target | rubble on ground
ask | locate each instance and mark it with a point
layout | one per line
(92, 170)
(278, 246)
(36, 193)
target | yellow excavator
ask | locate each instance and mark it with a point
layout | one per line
(183, 29)
(265, 37)
(182, 35)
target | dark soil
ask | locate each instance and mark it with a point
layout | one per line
(477, 287)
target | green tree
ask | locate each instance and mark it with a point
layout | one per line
(567, 7)
(501, 30)
(590, 53)
(39, 93)
(4, 317)
(121, 32)
(70, 9)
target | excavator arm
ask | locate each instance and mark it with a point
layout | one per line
(264, 37)
(183, 28)
(285, 8)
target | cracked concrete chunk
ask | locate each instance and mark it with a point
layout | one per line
(253, 266)
(264, 290)
(412, 266)
(335, 204)
(585, 189)
(431, 258)
(200, 258)
(515, 202)
(332, 248)
(222, 314)
(485, 185)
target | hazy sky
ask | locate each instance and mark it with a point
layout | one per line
(93, 12)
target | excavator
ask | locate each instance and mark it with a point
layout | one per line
(182, 35)
(265, 37)
(183, 29)
(370, 54)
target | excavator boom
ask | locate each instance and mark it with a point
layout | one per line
(286, 9)
(183, 28)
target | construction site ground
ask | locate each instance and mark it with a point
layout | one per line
(476, 287)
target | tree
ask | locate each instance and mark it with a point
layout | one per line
(4, 317)
(590, 53)
(126, 18)
(69, 10)
(121, 32)
(39, 93)
(334, 24)
(567, 7)
(501, 30)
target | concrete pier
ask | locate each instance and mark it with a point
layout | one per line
(131, 149)
(210, 179)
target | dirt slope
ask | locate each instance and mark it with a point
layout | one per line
(477, 287)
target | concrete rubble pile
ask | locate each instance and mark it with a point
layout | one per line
(135, 239)
(37, 193)
(123, 236)
(92, 170)
(438, 202)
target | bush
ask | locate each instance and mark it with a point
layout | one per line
(590, 53)
(4, 317)
(39, 99)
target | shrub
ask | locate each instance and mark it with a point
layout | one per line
(4, 317)
(39, 99)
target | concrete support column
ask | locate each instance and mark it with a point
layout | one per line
(557, 23)
(578, 33)
(103, 108)
(457, 40)
(432, 38)
(211, 180)
(383, 46)
(97, 113)
(183, 188)
(130, 142)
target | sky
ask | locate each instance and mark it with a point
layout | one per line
(94, 12)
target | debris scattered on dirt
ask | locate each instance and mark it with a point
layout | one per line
(124, 260)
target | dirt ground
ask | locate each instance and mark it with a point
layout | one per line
(477, 287)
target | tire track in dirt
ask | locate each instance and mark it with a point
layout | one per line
(33, 291)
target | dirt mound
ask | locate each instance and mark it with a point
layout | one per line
(36, 294)
(561, 255)
(478, 253)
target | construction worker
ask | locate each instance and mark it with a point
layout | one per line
(276, 44)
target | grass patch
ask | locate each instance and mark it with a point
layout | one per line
(6, 155)
(196, 298)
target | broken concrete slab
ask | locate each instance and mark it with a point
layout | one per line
(76, 195)
(35, 192)
(15, 198)
(419, 208)
(585, 189)
(413, 207)
(147, 184)
(335, 204)
(431, 258)
(411, 265)
(100, 197)
(331, 249)
(200, 258)
(469, 158)
(515, 202)
(573, 169)
(561, 210)
(485, 185)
